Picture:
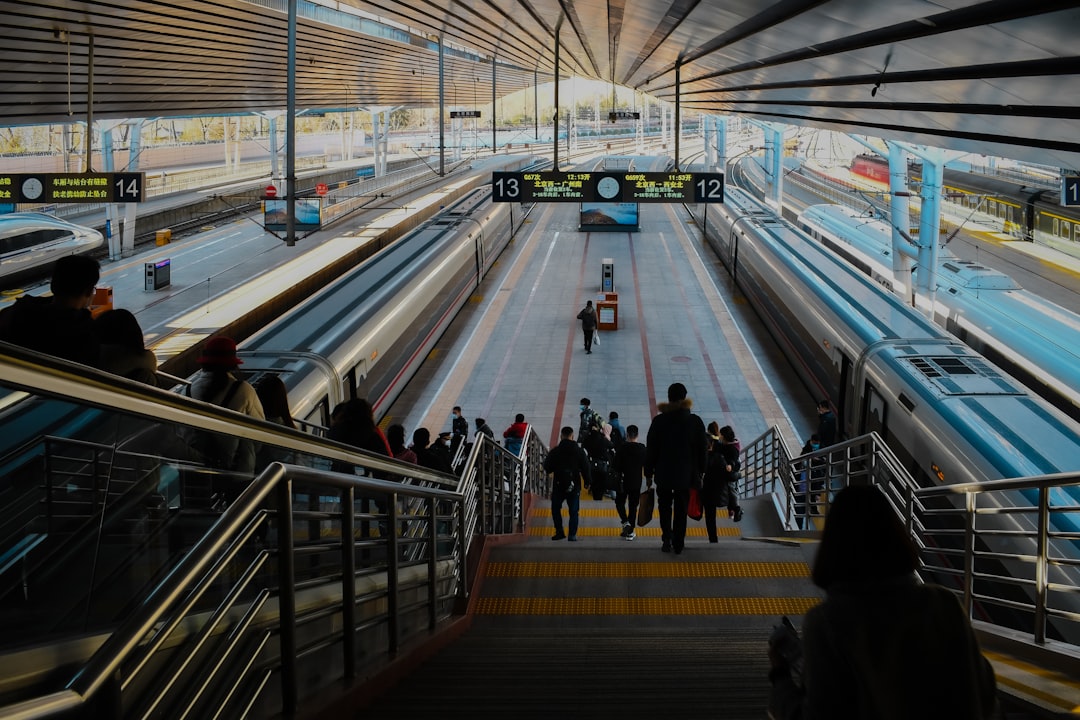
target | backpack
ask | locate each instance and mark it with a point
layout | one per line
(213, 449)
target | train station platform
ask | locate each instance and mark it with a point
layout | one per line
(593, 614)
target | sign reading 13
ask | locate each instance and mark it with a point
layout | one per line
(506, 187)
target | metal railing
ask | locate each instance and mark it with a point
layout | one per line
(1009, 549)
(306, 577)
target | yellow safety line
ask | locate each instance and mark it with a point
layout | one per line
(645, 606)
(640, 532)
(544, 511)
(1044, 676)
(648, 569)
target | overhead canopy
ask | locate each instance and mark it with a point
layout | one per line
(996, 77)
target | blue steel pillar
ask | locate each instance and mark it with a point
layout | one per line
(112, 233)
(899, 214)
(721, 143)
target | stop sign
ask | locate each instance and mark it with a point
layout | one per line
(321, 189)
(271, 191)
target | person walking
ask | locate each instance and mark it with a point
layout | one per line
(629, 459)
(675, 456)
(514, 435)
(587, 316)
(721, 476)
(882, 645)
(618, 432)
(483, 427)
(395, 438)
(570, 467)
(826, 431)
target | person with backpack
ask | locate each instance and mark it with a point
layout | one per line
(219, 384)
(570, 467)
(590, 421)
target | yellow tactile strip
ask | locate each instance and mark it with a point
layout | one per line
(640, 532)
(648, 569)
(544, 511)
(1046, 687)
(645, 606)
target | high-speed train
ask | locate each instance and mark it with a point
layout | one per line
(367, 333)
(947, 412)
(30, 241)
(1032, 339)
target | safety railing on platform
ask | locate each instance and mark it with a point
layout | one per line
(1009, 549)
(305, 576)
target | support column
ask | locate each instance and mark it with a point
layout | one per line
(290, 133)
(677, 120)
(442, 110)
(555, 120)
(127, 234)
(899, 215)
(112, 230)
(494, 124)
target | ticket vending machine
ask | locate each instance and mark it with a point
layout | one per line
(607, 275)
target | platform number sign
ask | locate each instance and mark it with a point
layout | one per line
(91, 187)
(709, 187)
(1070, 191)
(506, 187)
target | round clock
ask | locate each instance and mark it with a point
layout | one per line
(608, 187)
(32, 188)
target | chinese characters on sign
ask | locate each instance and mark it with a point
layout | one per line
(71, 187)
(627, 187)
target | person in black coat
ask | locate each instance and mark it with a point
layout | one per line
(629, 460)
(570, 466)
(675, 455)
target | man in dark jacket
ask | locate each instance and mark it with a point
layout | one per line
(826, 431)
(629, 459)
(570, 466)
(675, 455)
(587, 316)
(60, 325)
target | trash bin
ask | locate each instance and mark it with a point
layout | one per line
(158, 274)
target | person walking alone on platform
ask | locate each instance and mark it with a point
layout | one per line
(675, 450)
(587, 316)
(629, 457)
(570, 466)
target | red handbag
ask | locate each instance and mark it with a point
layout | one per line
(693, 508)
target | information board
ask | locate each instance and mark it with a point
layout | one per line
(614, 187)
(72, 187)
(1070, 191)
(464, 114)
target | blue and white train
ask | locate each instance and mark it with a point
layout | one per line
(948, 413)
(30, 242)
(1032, 339)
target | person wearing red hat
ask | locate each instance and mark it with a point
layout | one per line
(218, 383)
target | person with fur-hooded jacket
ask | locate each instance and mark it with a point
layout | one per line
(675, 451)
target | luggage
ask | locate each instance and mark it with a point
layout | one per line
(694, 510)
(646, 506)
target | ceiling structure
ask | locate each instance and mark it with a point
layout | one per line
(999, 77)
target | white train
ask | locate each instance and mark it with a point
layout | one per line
(366, 334)
(1032, 339)
(30, 242)
(948, 413)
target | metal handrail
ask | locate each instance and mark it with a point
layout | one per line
(1011, 544)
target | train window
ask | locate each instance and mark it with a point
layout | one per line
(1066, 230)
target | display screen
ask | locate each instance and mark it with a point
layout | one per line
(308, 214)
(612, 187)
(609, 216)
(72, 187)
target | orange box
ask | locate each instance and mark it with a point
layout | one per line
(102, 300)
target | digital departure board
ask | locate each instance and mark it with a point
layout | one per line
(620, 187)
(72, 187)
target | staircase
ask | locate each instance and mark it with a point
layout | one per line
(605, 628)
